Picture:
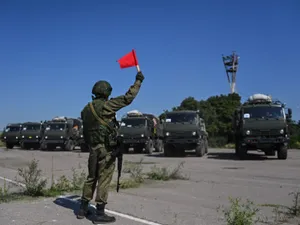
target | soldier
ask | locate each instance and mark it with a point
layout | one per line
(98, 117)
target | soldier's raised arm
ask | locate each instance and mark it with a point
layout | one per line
(115, 104)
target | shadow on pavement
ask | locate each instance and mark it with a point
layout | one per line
(161, 155)
(73, 203)
(232, 156)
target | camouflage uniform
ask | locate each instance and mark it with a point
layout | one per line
(100, 163)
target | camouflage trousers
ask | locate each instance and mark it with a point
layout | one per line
(101, 167)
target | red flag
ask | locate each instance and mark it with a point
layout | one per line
(128, 60)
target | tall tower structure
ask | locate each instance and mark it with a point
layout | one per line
(231, 63)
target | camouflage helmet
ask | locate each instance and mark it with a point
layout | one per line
(102, 88)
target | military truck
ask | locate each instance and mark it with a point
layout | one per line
(81, 142)
(184, 130)
(31, 135)
(11, 135)
(140, 131)
(261, 124)
(61, 132)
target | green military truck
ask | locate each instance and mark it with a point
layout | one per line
(31, 135)
(140, 131)
(184, 130)
(11, 135)
(261, 124)
(61, 132)
(81, 142)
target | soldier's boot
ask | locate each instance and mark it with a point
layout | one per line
(84, 210)
(101, 217)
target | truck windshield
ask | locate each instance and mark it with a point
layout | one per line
(263, 112)
(32, 127)
(12, 129)
(133, 122)
(181, 118)
(55, 126)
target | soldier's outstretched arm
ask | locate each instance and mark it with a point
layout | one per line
(115, 104)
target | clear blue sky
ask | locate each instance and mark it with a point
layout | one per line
(52, 52)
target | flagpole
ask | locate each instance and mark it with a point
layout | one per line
(137, 65)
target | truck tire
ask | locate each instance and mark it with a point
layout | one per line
(149, 147)
(200, 150)
(282, 152)
(9, 146)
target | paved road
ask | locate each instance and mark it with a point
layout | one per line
(213, 179)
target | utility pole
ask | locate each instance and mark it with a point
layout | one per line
(231, 63)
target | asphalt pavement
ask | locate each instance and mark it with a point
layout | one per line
(212, 180)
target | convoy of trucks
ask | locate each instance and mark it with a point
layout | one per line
(259, 124)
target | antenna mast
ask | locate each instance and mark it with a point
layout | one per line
(231, 63)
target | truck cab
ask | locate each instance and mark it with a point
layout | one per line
(31, 135)
(184, 130)
(140, 131)
(11, 135)
(61, 132)
(261, 124)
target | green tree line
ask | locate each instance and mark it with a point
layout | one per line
(218, 111)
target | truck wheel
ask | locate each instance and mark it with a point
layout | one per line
(9, 145)
(168, 150)
(69, 146)
(200, 150)
(282, 152)
(149, 147)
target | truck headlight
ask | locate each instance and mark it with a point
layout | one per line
(194, 133)
(167, 134)
(248, 132)
(281, 131)
(142, 135)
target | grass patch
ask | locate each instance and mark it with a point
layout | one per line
(35, 185)
(137, 177)
(230, 146)
(163, 173)
(239, 213)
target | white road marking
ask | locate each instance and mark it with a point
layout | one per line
(136, 219)
(13, 182)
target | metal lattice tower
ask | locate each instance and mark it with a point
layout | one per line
(231, 63)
